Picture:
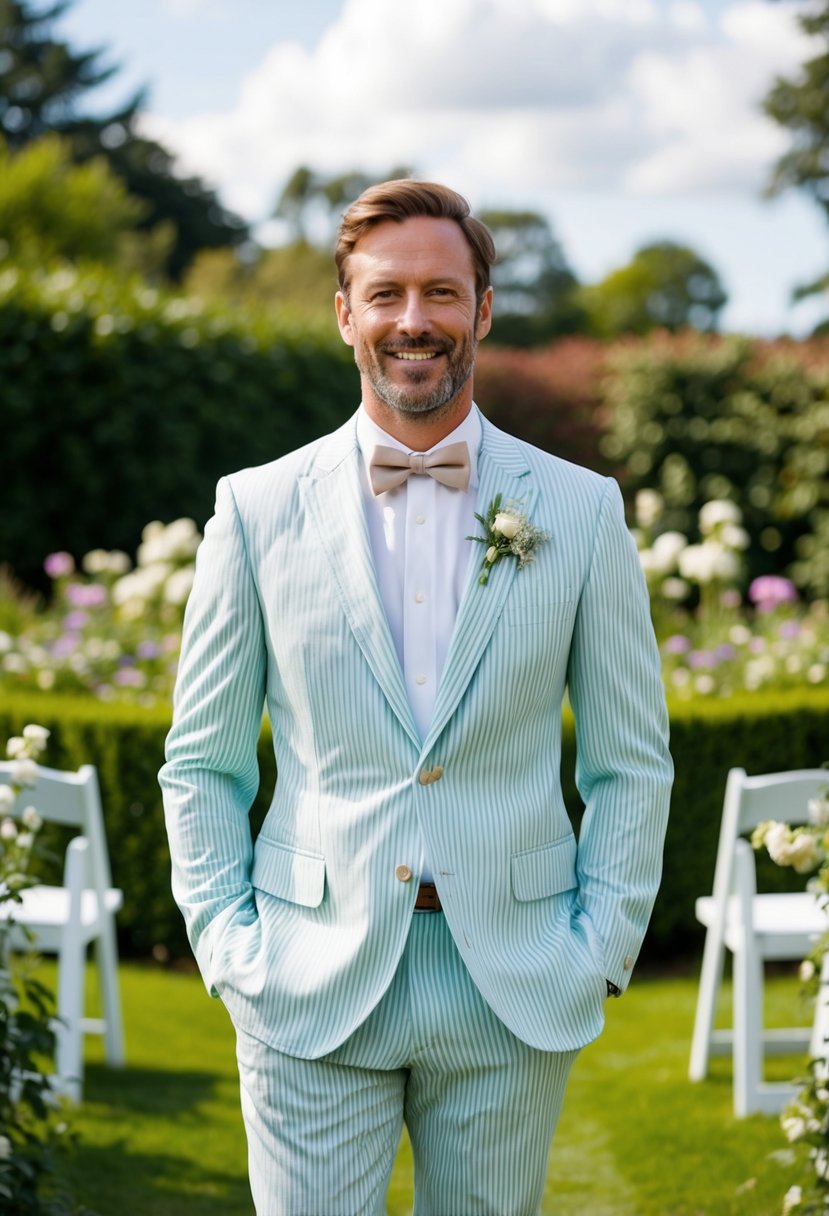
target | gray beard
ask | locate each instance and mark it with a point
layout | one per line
(406, 400)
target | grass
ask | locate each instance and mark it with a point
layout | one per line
(163, 1137)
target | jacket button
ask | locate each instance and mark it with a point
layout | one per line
(437, 773)
(425, 776)
(403, 873)
(628, 962)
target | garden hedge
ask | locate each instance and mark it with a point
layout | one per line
(762, 733)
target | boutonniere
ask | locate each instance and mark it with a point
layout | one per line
(508, 533)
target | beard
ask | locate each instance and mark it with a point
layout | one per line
(421, 394)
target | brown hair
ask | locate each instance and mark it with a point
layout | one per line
(406, 199)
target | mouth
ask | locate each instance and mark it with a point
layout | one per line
(415, 356)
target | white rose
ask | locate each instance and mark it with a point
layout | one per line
(806, 971)
(491, 553)
(25, 840)
(31, 819)
(24, 772)
(15, 747)
(667, 548)
(118, 562)
(804, 853)
(735, 537)
(819, 812)
(792, 1199)
(7, 798)
(35, 733)
(648, 507)
(8, 830)
(5, 1148)
(96, 561)
(794, 1127)
(506, 523)
(718, 512)
(179, 585)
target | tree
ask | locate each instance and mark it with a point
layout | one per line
(43, 83)
(802, 106)
(535, 290)
(50, 206)
(307, 194)
(665, 286)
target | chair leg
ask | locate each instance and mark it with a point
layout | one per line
(713, 960)
(71, 969)
(106, 956)
(748, 1031)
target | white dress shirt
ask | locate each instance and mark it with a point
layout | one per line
(418, 535)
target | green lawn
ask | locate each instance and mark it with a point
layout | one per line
(163, 1137)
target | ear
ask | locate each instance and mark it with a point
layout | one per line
(484, 322)
(344, 318)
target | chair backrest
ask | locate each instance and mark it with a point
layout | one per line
(74, 800)
(751, 800)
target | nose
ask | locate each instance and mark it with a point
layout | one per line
(413, 319)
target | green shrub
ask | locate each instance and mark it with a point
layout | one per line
(700, 419)
(121, 405)
(762, 733)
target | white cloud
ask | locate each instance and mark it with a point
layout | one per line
(496, 95)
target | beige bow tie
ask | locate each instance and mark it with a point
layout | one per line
(389, 467)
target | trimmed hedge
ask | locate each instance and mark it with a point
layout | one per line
(763, 733)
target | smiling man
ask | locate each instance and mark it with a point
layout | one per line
(416, 935)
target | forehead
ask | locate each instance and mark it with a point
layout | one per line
(418, 248)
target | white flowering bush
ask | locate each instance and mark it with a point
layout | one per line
(713, 642)
(111, 629)
(805, 1121)
(31, 1129)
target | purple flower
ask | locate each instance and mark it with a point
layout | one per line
(730, 598)
(75, 620)
(65, 645)
(148, 650)
(677, 644)
(698, 659)
(128, 677)
(724, 652)
(59, 565)
(789, 630)
(86, 595)
(770, 590)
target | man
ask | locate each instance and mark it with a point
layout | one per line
(415, 934)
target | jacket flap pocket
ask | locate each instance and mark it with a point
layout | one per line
(288, 873)
(546, 870)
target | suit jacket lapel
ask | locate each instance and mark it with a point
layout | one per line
(333, 498)
(502, 469)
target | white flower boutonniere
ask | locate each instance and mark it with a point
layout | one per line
(508, 533)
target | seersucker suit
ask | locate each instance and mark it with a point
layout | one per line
(300, 933)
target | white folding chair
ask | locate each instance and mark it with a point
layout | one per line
(755, 928)
(65, 920)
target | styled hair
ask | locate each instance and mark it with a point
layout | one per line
(406, 199)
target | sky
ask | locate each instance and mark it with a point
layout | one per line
(622, 121)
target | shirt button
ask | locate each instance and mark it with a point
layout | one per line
(420, 679)
(628, 962)
(403, 873)
(420, 597)
(420, 519)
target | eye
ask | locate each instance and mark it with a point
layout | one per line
(387, 293)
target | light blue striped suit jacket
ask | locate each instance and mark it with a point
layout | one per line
(301, 934)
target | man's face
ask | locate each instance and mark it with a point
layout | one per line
(411, 316)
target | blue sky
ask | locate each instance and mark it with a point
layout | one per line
(624, 121)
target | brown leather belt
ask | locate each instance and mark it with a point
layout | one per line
(427, 899)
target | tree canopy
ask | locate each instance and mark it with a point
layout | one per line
(665, 286)
(801, 105)
(44, 84)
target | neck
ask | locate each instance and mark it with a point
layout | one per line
(418, 432)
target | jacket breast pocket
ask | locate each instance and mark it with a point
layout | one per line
(547, 870)
(288, 873)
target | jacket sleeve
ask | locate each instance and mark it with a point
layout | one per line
(211, 775)
(623, 769)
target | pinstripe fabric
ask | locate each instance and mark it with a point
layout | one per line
(302, 936)
(322, 1134)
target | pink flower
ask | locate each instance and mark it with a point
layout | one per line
(769, 591)
(59, 565)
